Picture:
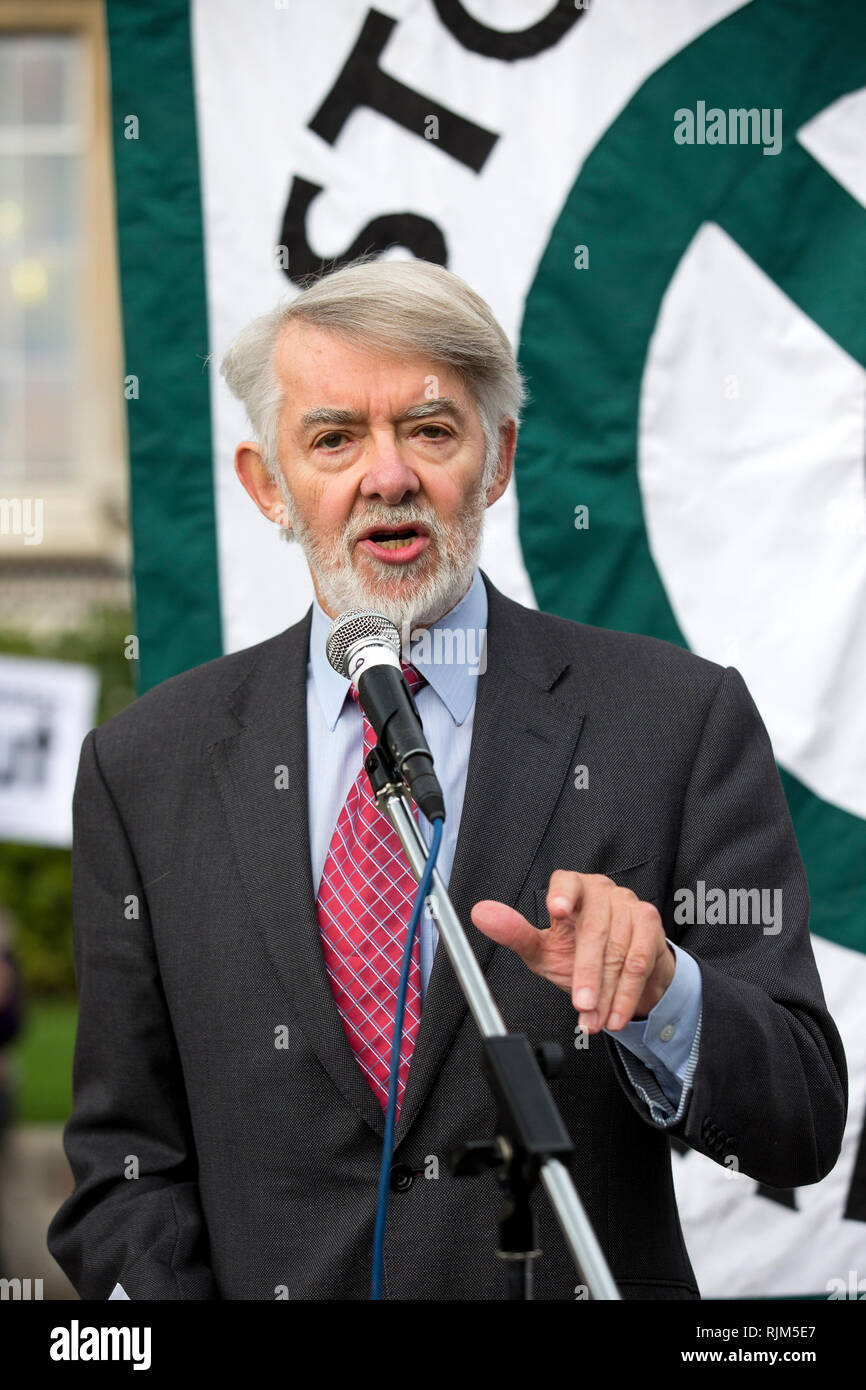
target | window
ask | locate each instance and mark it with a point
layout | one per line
(43, 141)
(62, 428)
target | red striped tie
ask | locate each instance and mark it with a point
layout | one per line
(364, 904)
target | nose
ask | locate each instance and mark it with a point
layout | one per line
(387, 474)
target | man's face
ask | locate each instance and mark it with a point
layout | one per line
(381, 462)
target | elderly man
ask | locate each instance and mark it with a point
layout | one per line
(234, 1032)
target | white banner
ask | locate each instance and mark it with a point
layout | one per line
(749, 443)
(46, 709)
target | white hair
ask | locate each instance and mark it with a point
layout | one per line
(400, 308)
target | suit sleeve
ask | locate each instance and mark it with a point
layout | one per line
(134, 1216)
(768, 1093)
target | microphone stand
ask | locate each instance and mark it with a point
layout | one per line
(531, 1140)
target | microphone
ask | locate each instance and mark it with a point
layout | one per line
(365, 647)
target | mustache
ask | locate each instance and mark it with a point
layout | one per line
(388, 517)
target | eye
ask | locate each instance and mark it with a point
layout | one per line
(331, 441)
(438, 431)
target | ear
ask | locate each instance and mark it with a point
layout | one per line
(258, 482)
(507, 446)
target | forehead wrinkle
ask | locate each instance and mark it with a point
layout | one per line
(334, 415)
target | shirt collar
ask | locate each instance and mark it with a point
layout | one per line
(451, 654)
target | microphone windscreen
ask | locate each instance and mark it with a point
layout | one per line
(347, 630)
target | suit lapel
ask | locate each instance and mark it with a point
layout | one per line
(270, 832)
(523, 737)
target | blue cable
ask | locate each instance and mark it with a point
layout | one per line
(390, 1113)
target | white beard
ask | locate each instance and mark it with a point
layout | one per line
(412, 594)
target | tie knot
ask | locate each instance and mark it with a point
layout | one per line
(414, 679)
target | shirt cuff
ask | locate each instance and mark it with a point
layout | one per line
(660, 1053)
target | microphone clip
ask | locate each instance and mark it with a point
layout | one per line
(384, 775)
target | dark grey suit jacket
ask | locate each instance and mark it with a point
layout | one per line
(256, 1163)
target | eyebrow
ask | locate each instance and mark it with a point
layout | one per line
(331, 415)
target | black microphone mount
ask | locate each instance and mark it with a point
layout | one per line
(365, 647)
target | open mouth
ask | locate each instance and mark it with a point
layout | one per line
(395, 543)
(393, 540)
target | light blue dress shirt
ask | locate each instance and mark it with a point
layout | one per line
(659, 1053)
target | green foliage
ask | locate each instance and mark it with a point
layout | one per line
(35, 888)
(41, 1063)
(35, 881)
